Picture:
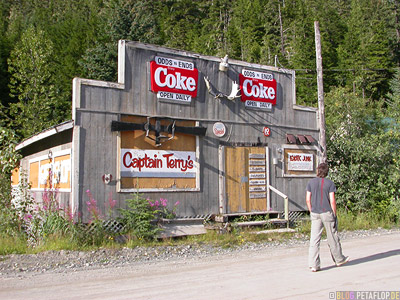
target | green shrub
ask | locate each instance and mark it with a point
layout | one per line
(139, 217)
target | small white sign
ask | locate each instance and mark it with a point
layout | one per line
(257, 189)
(258, 105)
(257, 75)
(257, 162)
(219, 129)
(257, 182)
(256, 175)
(174, 97)
(258, 196)
(256, 169)
(170, 62)
(300, 162)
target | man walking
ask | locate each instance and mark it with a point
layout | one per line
(320, 198)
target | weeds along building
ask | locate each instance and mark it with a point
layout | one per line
(221, 136)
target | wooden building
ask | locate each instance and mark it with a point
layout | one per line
(218, 135)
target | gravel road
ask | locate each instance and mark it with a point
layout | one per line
(267, 271)
(23, 266)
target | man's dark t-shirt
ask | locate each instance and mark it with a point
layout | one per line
(316, 186)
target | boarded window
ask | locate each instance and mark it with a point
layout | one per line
(15, 177)
(169, 167)
(57, 169)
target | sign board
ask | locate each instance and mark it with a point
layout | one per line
(266, 131)
(300, 162)
(58, 167)
(158, 163)
(258, 89)
(257, 175)
(173, 79)
(219, 129)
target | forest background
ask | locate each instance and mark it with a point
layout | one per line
(44, 44)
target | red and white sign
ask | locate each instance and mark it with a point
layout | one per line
(158, 163)
(258, 89)
(219, 129)
(300, 162)
(173, 79)
(267, 131)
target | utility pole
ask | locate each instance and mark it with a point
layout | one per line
(321, 104)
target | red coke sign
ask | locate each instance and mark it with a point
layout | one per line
(257, 86)
(173, 79)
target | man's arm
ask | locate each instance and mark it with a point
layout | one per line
(308, 200)
(333, 202)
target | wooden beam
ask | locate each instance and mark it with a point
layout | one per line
(320, 83)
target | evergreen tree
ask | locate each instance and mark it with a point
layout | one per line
(365, 51)
(247, 29)
(129, 20)
(180, 23)
(32, 68)
(213, 39)
(275, 41)
(302, 52)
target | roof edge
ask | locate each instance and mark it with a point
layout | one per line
(45, 133)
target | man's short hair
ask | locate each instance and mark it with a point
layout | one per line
(322, 170)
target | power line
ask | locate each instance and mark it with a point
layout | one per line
(346, 70)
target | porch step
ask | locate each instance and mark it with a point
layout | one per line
(261, 223)
(279, 230)
(181, 227)
(225, 217)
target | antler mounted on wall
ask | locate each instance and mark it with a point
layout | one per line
(219, 95)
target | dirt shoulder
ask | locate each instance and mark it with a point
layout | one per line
(63, 261)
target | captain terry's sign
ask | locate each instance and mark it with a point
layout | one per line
(158, 163)
(173, 80)
(258, 89)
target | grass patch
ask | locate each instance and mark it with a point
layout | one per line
(233, 238)
(12, 245)
(367, 220)
(354, 221)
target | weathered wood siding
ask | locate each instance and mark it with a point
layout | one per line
(96, 147)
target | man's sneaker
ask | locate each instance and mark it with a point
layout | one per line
(347, 258)
(314, 269)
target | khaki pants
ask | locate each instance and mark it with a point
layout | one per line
(318, 222)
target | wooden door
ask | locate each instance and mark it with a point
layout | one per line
(245, 179)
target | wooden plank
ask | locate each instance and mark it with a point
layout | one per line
(236, 189)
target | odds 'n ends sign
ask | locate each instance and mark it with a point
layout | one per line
(258, 89)
(174, 80)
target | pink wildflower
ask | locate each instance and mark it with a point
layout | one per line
(163, 202)
(177, 203)
(111, 202)
(28, 217)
